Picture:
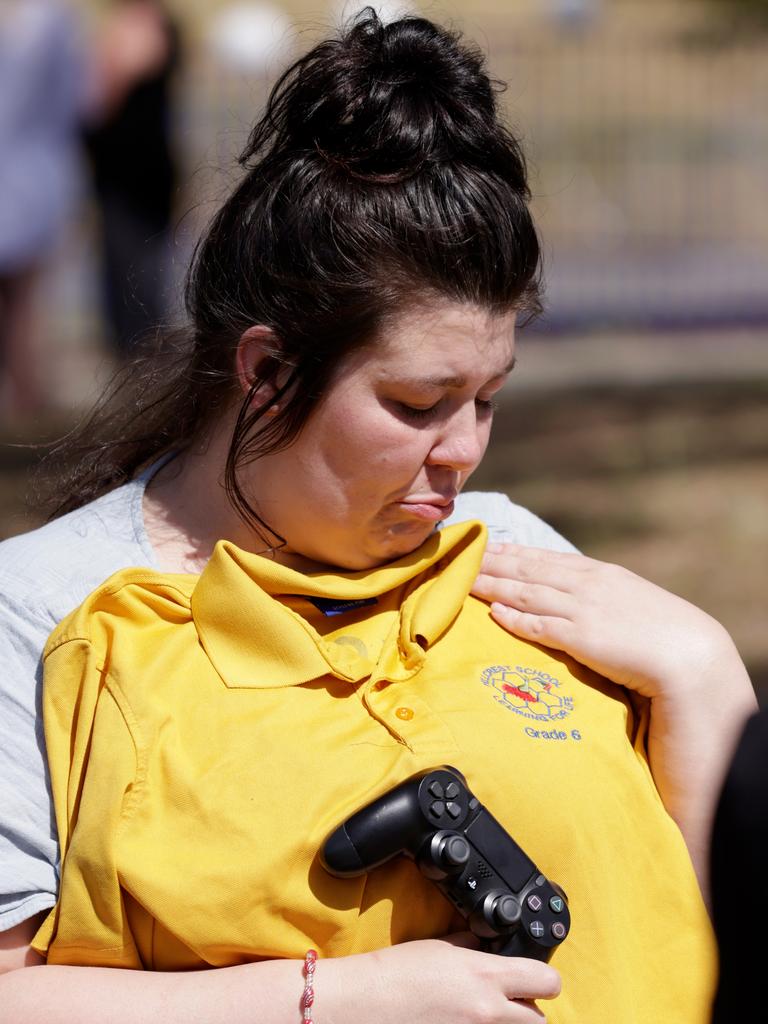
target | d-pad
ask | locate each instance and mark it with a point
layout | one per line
(445, 799)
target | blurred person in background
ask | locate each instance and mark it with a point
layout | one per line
(740, 844)
(41, 89)
(128, 141)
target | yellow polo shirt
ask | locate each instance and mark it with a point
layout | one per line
(205, 734)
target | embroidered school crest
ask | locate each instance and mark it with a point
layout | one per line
(528, 692)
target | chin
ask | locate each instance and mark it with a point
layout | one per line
(402, 543)
(396, 543)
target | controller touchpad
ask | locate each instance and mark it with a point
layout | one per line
(503, 854)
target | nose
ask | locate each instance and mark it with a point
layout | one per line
(461, 441)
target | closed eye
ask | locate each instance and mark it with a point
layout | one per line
(416, 412)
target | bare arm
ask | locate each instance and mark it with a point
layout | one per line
(385, 987)
(15, 949)
(651, 642)
(267, 992)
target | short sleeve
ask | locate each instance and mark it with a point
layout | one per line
(44, 575)
(93, 762)
(28, 841)
(507, 522)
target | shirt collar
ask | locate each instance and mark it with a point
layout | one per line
(256, 641)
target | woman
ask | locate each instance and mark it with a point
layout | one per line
(354, 307)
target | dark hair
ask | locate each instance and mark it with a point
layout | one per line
(379, 174)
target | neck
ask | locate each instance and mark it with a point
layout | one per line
(186, 509)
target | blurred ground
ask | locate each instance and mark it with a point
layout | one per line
(644, 449)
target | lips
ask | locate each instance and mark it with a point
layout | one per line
(431, 508)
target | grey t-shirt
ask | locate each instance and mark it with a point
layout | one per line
(46, 574)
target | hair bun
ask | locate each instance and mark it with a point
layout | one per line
(382, 100)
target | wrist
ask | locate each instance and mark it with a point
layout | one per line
(348, 986)
(334, 993)
(308, 995)
(708, 671)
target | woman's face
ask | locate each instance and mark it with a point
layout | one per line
(394, 440)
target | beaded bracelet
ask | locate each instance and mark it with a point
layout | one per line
(308, 997)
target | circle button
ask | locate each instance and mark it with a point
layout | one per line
(558, 930)
(405, 714)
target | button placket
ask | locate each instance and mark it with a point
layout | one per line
(393, 688)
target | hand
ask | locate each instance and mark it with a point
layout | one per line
(435, 980)
(649, 641)
(611, 620)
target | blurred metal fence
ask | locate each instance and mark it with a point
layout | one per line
(648, 137)
(647, 134)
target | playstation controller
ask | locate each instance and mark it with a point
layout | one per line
(434, 819)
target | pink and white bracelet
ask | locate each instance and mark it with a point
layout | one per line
(308, 997)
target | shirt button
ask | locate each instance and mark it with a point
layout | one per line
(406, 714)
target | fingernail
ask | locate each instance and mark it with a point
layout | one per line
(494, 547)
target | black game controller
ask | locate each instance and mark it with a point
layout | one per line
(434, 819)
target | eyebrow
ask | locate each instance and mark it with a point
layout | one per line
(459, 382)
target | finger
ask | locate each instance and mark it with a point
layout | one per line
(507, 549)
(555, 568)
(526, 979)
(536, 598)
(549, 630)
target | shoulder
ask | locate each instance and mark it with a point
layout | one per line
(47, 572)
(507, 521)
(124, 605)
(44, 575)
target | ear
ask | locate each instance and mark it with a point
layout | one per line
(256, 349)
